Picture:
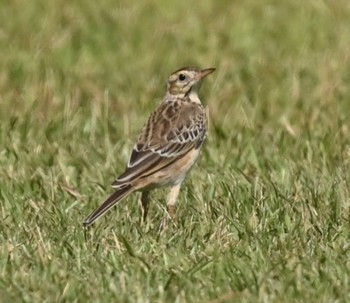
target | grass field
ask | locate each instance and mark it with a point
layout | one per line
(264, 216)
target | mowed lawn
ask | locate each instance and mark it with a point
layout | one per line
(264, 215)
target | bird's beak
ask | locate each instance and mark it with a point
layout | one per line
(206, 72)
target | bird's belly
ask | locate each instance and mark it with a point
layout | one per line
(174, 173)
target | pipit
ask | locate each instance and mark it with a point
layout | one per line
(168, 146)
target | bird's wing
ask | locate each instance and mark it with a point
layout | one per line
(172, 130)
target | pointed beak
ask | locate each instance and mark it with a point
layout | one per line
(206, 72)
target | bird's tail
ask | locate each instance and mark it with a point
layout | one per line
(108, 204)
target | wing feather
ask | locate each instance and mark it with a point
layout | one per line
(167, 136)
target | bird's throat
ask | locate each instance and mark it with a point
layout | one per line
(193, 96)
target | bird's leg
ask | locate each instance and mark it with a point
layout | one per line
(144, 205)
(171, 206)
(172, 199)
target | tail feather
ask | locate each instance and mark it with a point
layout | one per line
(107, 205)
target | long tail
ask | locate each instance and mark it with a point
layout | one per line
(108, 204)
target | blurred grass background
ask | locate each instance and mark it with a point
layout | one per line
(264, 217)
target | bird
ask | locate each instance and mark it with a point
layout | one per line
(167, 147)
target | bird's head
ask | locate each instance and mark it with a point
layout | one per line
(187, 80)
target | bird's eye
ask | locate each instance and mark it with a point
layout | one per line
(182, 77)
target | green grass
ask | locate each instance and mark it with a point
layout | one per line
(264, 216)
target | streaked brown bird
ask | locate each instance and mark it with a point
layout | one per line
(169, 144)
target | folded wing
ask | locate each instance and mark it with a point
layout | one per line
(170, 133)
